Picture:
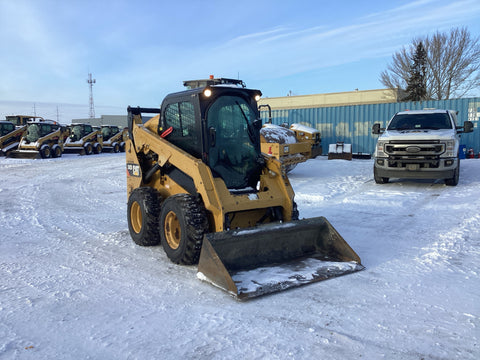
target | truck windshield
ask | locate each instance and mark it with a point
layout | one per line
(234, 145)
(427, 121)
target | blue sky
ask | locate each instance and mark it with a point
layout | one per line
(138, 51)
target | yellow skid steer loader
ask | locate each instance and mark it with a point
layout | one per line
(199, 185)
(42, 139)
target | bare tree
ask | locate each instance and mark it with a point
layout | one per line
(452, 65)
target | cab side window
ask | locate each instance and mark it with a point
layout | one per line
(181, 117)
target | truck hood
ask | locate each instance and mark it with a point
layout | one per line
(444, 134)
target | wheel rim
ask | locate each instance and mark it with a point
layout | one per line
(172, 230)
(47, 152)
(136, 217)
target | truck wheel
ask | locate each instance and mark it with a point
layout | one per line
(116, 148)
(45, 152)
(456, 176)
(88, 149)
(183, 222)
(379, 179)
(142, 214)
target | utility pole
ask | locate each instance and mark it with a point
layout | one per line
(90, 82)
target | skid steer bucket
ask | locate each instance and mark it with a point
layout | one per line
(25, 154)
(274, 257)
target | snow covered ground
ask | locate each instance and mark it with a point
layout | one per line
(73, 285)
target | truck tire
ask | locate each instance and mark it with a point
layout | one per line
(379, 179)
(456, 176)
(183, 222)
(143, 209)
(116, 148)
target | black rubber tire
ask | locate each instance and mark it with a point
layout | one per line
(456, 176)
(45, 152)
(143, 209)
(116, 148)
(295, 213)
(122, 147)
(88, 149)
(183, 241)
(379, 179)
(56, 151)
(97, 148)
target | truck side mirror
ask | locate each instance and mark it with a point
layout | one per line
(376, 129)
(467, 127)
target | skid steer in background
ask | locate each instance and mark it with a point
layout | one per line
(42, 139)
(84, 140)
(22, 120)
(290, 144)
(113, 138)
(10, 137)
(199, 185)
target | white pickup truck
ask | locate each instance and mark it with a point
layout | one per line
(419, 144)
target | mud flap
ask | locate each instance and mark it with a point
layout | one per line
(274, 257)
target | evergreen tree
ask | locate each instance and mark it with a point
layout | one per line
(416, 85)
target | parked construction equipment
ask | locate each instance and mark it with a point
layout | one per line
(199, 185)
(41, 139)
(292, 144)
(113, 138)
(10, 136)
(22, 120)
(84, 140)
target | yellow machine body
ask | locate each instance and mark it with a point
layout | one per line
(247, 241)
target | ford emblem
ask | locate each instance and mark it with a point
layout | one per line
(413, 149)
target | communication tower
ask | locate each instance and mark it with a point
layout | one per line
(90, 82)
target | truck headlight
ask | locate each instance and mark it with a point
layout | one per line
(450, 148)
(381, 148)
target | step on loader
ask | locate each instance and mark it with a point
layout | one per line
(42, 139)
(84, 139)
(199, 185)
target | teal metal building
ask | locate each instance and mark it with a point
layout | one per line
(353, 124)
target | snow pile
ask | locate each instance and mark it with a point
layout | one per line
(304, 128)
(278, 134)
(75, 286)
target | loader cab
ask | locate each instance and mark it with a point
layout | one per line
(6, 127)
(78, 131)
(109, 131)
(37, 130)
(220, 125)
